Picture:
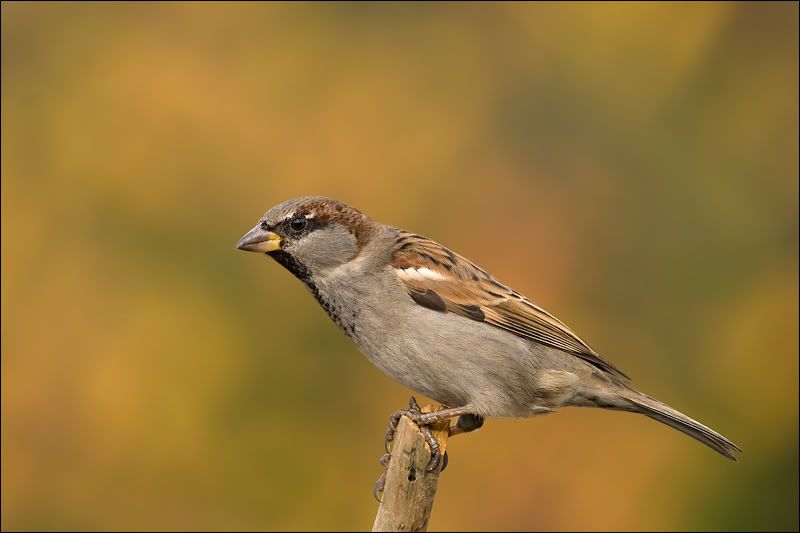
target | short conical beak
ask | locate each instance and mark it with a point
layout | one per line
(259, 240)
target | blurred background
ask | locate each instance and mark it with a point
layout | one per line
(633, 169)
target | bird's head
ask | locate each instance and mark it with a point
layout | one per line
(309, 235)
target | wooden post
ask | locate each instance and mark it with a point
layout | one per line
(409, 489)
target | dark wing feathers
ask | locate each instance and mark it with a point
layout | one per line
(443, 281)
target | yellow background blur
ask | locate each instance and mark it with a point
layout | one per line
(632, 168)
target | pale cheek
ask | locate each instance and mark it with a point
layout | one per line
(323, 251)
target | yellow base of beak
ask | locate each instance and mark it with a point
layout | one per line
(259, 240)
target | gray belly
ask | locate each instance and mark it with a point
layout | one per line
(452, 359)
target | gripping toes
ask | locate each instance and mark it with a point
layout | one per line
(415, 414)
(393, 421)
(377, 489)
(433, 444)
(412, 412)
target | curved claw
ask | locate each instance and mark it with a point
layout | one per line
(377, 489)
(436, 457)
(433, 444)
(381, 481)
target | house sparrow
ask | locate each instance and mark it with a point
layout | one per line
(444, 327)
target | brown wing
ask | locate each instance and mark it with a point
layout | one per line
(444, 281)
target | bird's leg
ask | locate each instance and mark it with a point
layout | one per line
(426, 419)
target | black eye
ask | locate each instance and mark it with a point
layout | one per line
(298, 223)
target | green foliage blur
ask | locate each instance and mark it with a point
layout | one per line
(633, 168)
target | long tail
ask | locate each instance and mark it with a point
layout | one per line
(642, 403)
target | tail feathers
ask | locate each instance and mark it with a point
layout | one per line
(663, 413)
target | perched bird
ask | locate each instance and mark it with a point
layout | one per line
(444, 327)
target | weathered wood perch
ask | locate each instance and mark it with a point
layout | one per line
(409, 489)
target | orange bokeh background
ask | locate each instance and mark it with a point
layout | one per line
(633, 168)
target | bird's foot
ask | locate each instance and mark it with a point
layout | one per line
(418, 417)
(394, 419)
(413, 409)
(467, 422)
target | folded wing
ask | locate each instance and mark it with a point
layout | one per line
(444, 281)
